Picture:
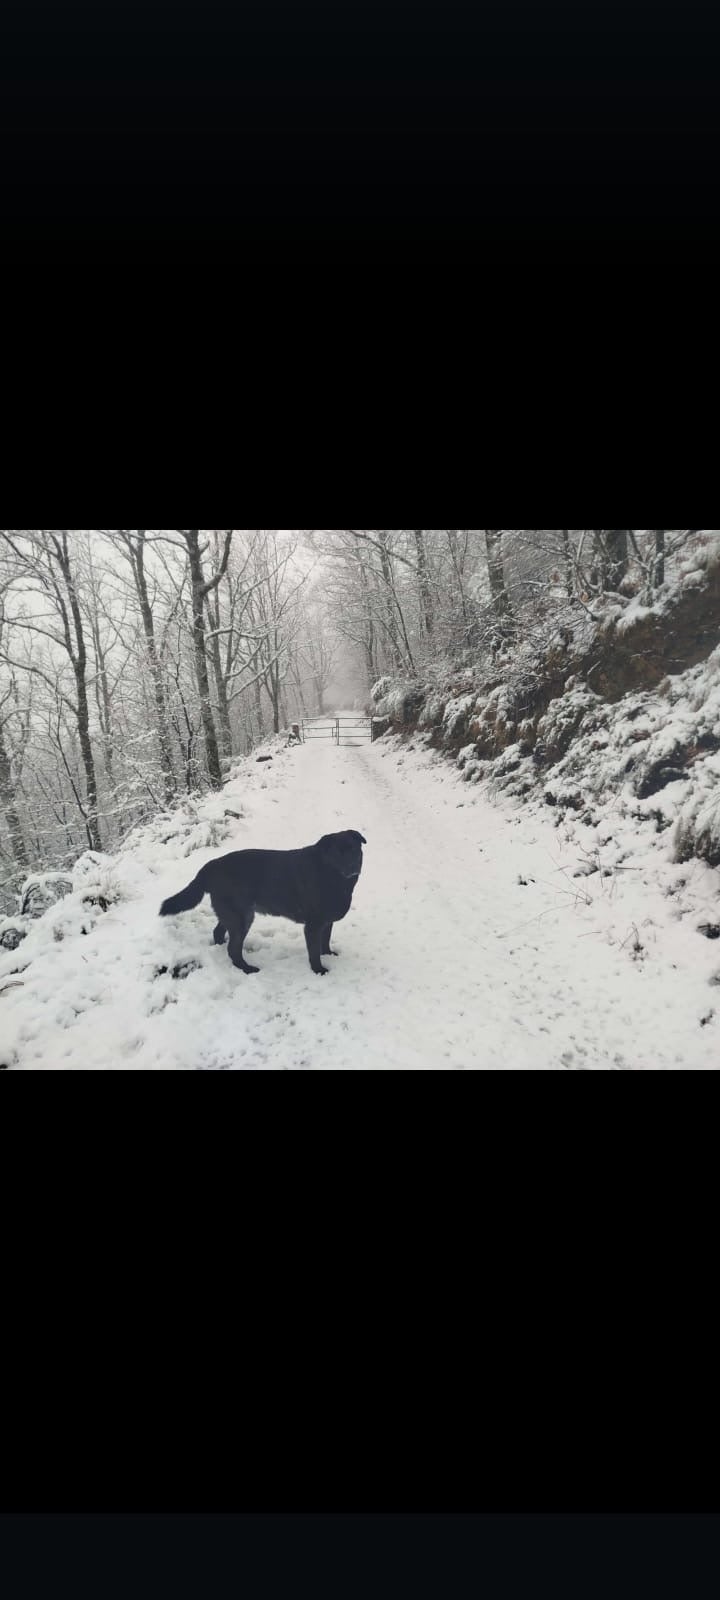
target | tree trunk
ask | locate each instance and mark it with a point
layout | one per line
(458, 566)
(297, 677)
(369, 640)
(259, 713)
(424, 581)
(659, 574)
(7, 801)
(616, 545)
(163, 721)
(496, 568)
(569, 568)
(392, 628)
(212, 753)
(226, 742)
(79, 661)
(105, 707)
(92, 820)
(611, 547)
(275, 697)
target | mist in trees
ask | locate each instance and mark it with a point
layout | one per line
(136, 664)
(407, 601)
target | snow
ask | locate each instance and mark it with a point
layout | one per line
(456, 712)
(482, 936)
(42, 890)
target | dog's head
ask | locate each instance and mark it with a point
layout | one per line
(343, 852)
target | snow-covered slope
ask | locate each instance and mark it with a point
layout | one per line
(472, 943)
(618, 714)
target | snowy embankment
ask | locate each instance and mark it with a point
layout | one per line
(617, 715)
(472, 942)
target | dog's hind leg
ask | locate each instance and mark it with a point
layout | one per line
(220, 934)
(313, 939)
(238, 934)
(326, 937)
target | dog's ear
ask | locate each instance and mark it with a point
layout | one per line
(360, 837)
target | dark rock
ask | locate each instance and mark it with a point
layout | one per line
(182, 969)
(406, 705)
(662, 823)
(96, 900)
(698, 841)
(657, 776)
(658, 644)
(42, 892)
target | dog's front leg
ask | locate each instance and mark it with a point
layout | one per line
(313, 939)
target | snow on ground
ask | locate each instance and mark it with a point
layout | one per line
(471, 944)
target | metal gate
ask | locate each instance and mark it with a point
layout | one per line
(354, 730)
(342, 730)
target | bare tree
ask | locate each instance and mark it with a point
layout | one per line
(201, 588)
(498, 587)
(318, 656)
(611, 552)
(424, 582)
(616, 551)
(135, 549)
(569, 562)
(276, 617)
(14, 729)
(45, 563)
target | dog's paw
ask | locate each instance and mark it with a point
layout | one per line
(250, 971)
(321, 972)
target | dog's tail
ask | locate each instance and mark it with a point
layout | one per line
(187, 899)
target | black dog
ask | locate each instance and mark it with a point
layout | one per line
(313, 886)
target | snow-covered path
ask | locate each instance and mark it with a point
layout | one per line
(469, 945)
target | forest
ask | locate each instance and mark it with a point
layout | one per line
(136, 664)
